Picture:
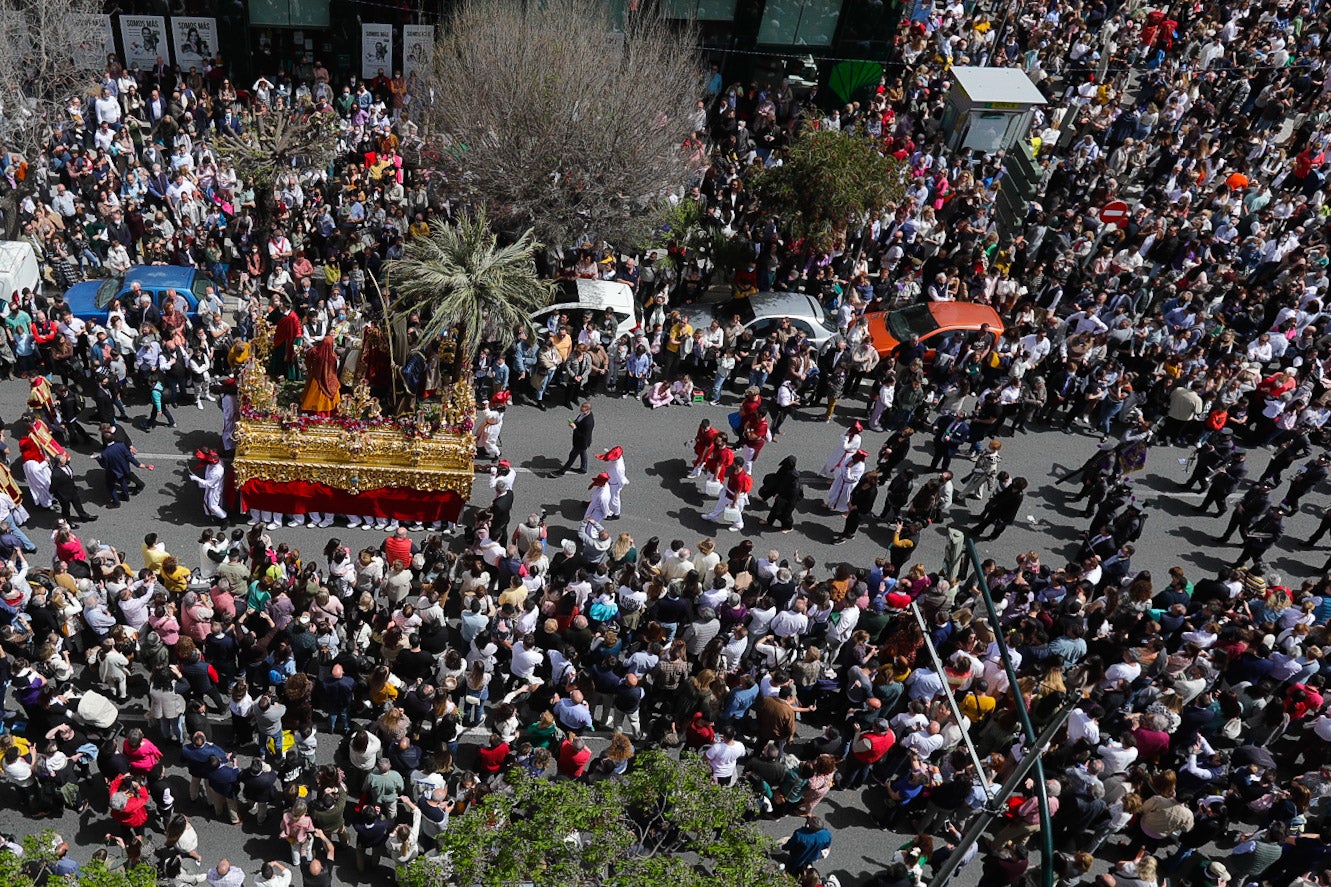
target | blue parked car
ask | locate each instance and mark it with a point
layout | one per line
(91, 298)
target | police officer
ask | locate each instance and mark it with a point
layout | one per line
(1254, 503)
(1210, 456)
(1293, 448)
(1224, 480)
(1265, 532)
(1309, 477)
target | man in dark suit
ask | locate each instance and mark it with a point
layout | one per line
(502, 511)
(155, 107)
(582, 425)
(118, 463)
(65, 489)
(159, 185)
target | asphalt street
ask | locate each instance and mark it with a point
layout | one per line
(659, 501)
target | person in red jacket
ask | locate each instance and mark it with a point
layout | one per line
(735, 493)
(702, 445)
(719, 458)
(129, 803)
(574, 756)
(755, 434)
(1302, 700)
(490, 760)
(866, 750)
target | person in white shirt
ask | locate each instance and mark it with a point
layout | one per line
(1083, 725)
(1117, 757)
(722, 756)
(273, 874)
(1126, 671)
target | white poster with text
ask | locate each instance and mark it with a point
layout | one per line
(376, 50)
(100, 41)
(195, 40)
(417, 44)
(144, 37)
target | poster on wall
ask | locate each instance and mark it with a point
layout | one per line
(376, 50)
(195, 40)
(144, 37)
(417, 43)
(91, 53)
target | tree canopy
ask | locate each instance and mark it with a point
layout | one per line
(665, 824)
(40, 853)
(829, 180)
(552, 122)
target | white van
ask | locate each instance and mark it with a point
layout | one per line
(572, 297)
(18, 269)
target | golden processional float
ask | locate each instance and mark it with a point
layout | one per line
(415, 466)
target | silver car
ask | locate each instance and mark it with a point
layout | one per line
(763, 312)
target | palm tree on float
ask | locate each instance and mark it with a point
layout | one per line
(459, 277)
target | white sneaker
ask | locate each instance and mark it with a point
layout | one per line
(326, 522)
(381, 524)
(297, 521)
(198, 404)
(352, 522)
(254, 520)
(274, 525)
(417, 527)
(392, 526)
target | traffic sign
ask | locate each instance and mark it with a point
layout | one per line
(1114, 212)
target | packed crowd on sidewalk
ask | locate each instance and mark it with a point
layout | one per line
(434, 663)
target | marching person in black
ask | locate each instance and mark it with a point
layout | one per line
(950, 432)
(1110, 501)
(1253, 504)
(582, 424)
(65, 489)
(1128, 526)
(897, 495)
(1292, 449)
(861, 503)
(783, 488)
(1092, 471)
(1264, 533)
(1002, 508)
(1210, 456)
(1307, 479)
(1224, 479)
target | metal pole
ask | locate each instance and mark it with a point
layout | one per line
(951, 699)
(1027, 728)
(996, 804)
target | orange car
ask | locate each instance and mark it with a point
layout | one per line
(887, 329)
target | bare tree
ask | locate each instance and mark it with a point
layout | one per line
(275, 141)
(41, 77)
(538, 112)
(40, 69)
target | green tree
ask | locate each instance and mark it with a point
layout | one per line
(665, 824)
(460, 277)
(829, 180)
(39, 851)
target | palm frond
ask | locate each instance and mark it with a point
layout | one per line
(460, 276)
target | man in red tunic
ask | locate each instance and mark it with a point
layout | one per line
(282, 361)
